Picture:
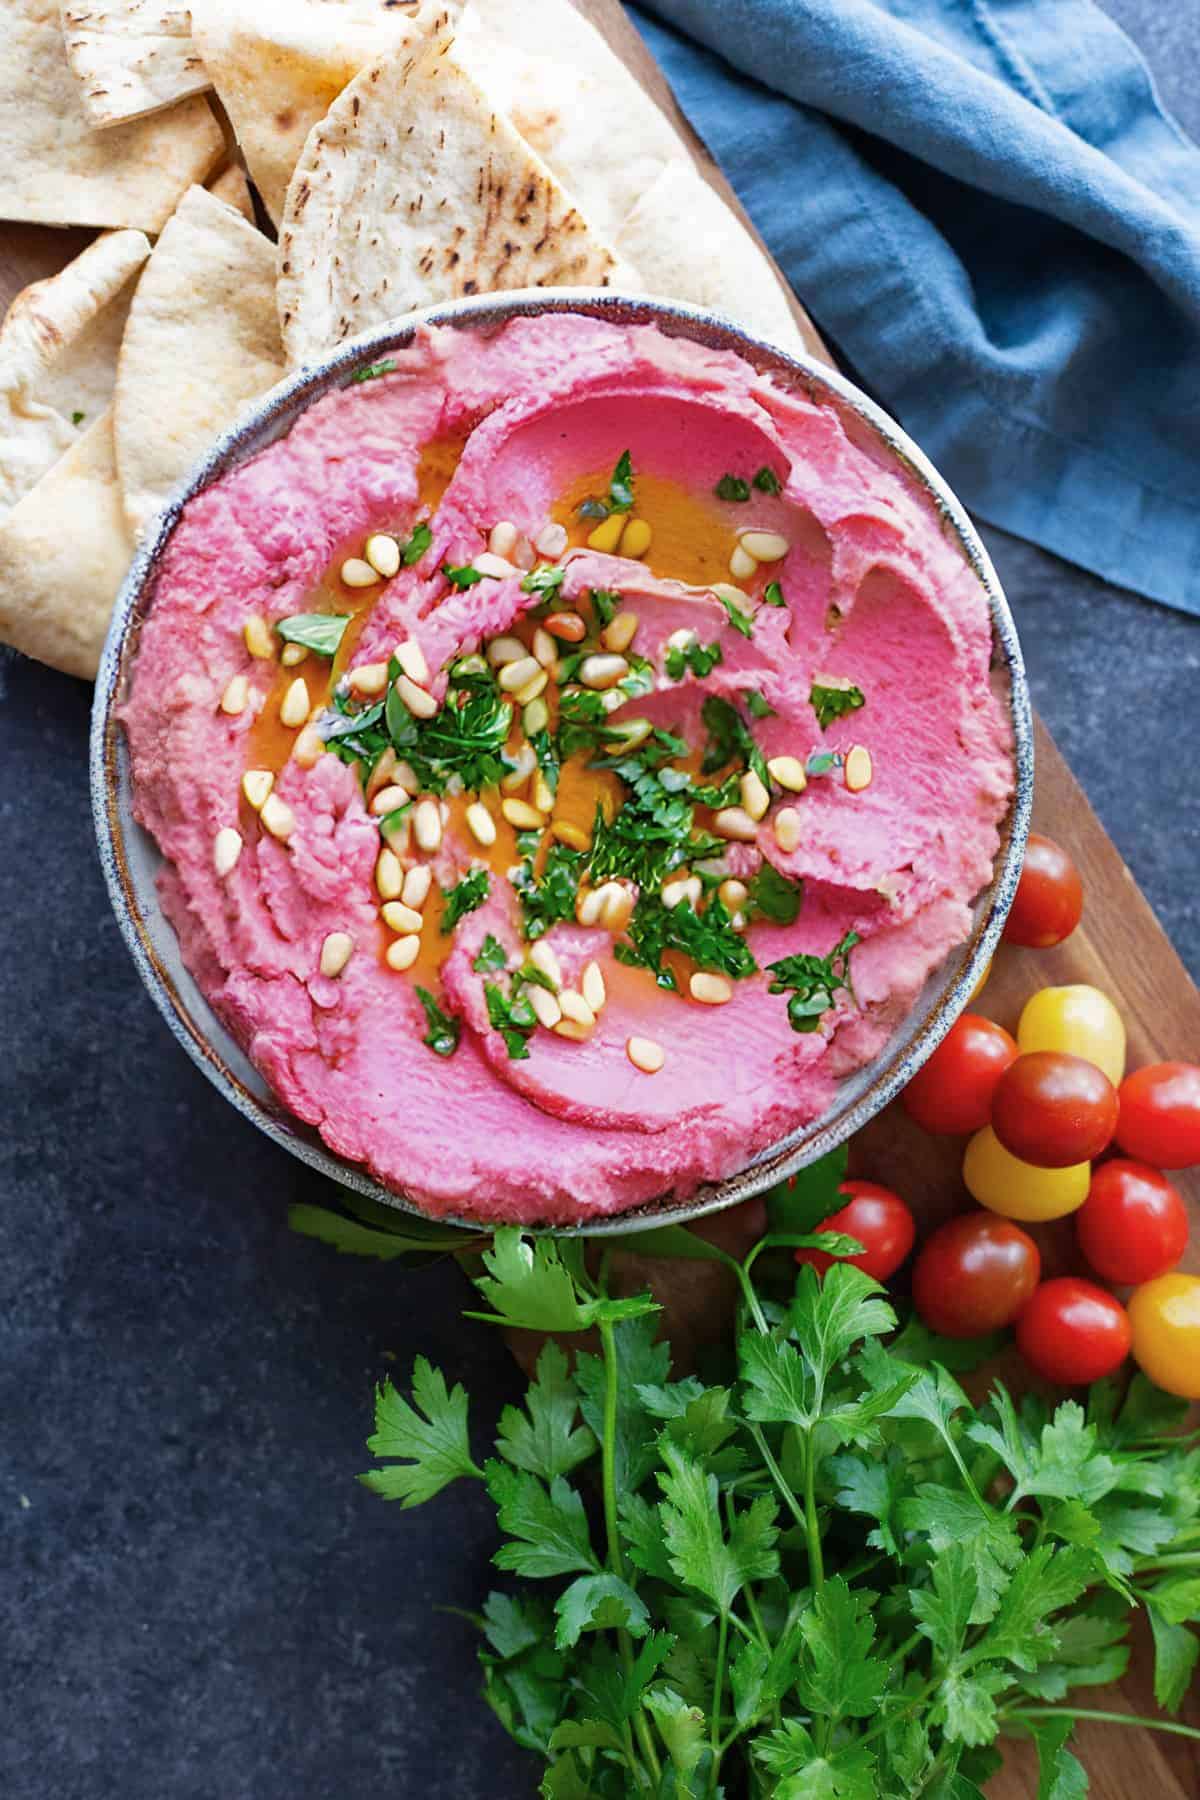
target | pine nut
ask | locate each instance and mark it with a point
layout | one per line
(521, 815)
(402, 953)
(514, 675)
(568, 627)
(535, 717)
(735, 822)
(277, 817)
(544, 648)
(764, 546)
(497, 567)
(381, 775)
(635, 540)
(857, 771)
(394, 831)
(789, 772)
(470, 665)
(576, 1008)
(736, 596)
(543, 793)
(237, 693)
(368, 678)
(710, 990)
(481, 824)
(292, 654)
(551, 540)
(259, 638)
(401, 918)
(568, 1028)
(525, 762)
(675, 892)
(257, 785)
(411, 658)
(733, 894)
(389, 875)
(591, 986)
(645, 1055)
(755, 798)
(383, 554)
(543, 958)
(545, 1006)
(589, 905)
(741, 564)
(530, 690)
(505, 650)
(620, 632)
(618, 906)
(569, 834)
(427, 825)
(295, 705)
(336, 952)
(633, 732)
(607, 534)
(523, 555)
(358, 574)
(787, 829)
(682, 639)
(227, 847)
(419, 703)
(502, 539)
(405, 776)
(602, 671)
(308, 748)
(388, 799)
(417, 884)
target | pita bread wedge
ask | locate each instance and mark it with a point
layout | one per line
(412, 189)
(232, 187)
(58, 357)
(55, 169)
(130, 57)
(278, 65)
(64, 552)
(202, 342)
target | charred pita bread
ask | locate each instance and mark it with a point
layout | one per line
(55, 169)
(202, 342)
(413, 189)
(130, 57)
(58, 357)
(278, 65)
(64, 552)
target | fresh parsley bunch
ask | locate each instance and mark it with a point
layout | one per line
(822, 1574)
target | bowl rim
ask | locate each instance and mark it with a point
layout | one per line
(271, 416)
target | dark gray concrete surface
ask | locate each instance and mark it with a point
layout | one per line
(197, 1602)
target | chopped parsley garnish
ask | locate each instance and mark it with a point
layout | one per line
(830, 703)
(77, 418)
(729, 739)
(546, 750)
(732, 487)
(529, 842)
(512, 1016)
(582, 722)
(417, 544)
(606, 603)
(737, 618)
(824, 762)
(707, 937)
(814, 981)
(492, 955)
(654, 832)
(321, 632)
(640, 679)
(757, 707)
(767, 481)
(696, 658)
(591, 508)
(774, 897)
(391, 822)
(469, 893)
(552, 899)
(444, 1032)
(354, 734)
(371, 372)
(465, 738)
(620, 492)
(546, 580)
(465, 576)
(773, 595)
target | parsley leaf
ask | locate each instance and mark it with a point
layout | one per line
(417, 545)
(606, 603)
(77, 418)
(772, 594)
(814, 982)
(464, 739)
(545, 1437)
(466, 575)
(372, 372)
(464, 898)
(599, 1603)
(732, 487)
(774, 896)
(767, 481)
(620, 487)
(492, 955)
(705, 1554)
(830, 703)
(546, 1525)
(707, 937)
(730, 739)
(444, 1032)
(512, 1016)
(545, 581)
(321, 632)
(550, 900)
(757, 707)
(741, 621)
(434, 1446)
(694, 658)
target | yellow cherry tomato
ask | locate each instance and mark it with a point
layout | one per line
(1165, 1318)
(1015, 1189)
(981, 983)
(1080, 1020)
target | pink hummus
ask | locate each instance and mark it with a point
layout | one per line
(870, 595)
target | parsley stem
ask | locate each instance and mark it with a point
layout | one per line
(751, 1298)
(718, 1687)
(1021, 1713)
(1178, 1559)
(764, 1450)
(812, 1527)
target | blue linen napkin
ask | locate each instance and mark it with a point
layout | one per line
(986, 207)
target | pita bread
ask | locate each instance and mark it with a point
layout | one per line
(64, 552)
(412, 189)
(130, 57)
(202, 342)
(232, 187)
(58, 357)
(278, 65)
(55, 169)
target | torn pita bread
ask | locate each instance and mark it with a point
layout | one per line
(412, 189)
(232, 187)
(278, 65)
(58, 357)
(64, 552)
(130, 57)
(202, 342)
(55, 169)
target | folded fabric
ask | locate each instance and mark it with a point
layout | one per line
(985, 206)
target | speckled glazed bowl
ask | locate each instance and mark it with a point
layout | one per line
(131, 859)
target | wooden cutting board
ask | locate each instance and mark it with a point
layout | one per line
(1120, 947)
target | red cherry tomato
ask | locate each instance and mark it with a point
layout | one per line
(1073, 1331)
(1133, 1224)
(953, 1092)
(1160, 1115)
(1052, 1109)
(879, 1219)
(974, 1275)
(1049, 900)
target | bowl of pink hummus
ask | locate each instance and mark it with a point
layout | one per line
(562, 761)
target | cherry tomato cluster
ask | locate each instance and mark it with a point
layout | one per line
(1037, 1111)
